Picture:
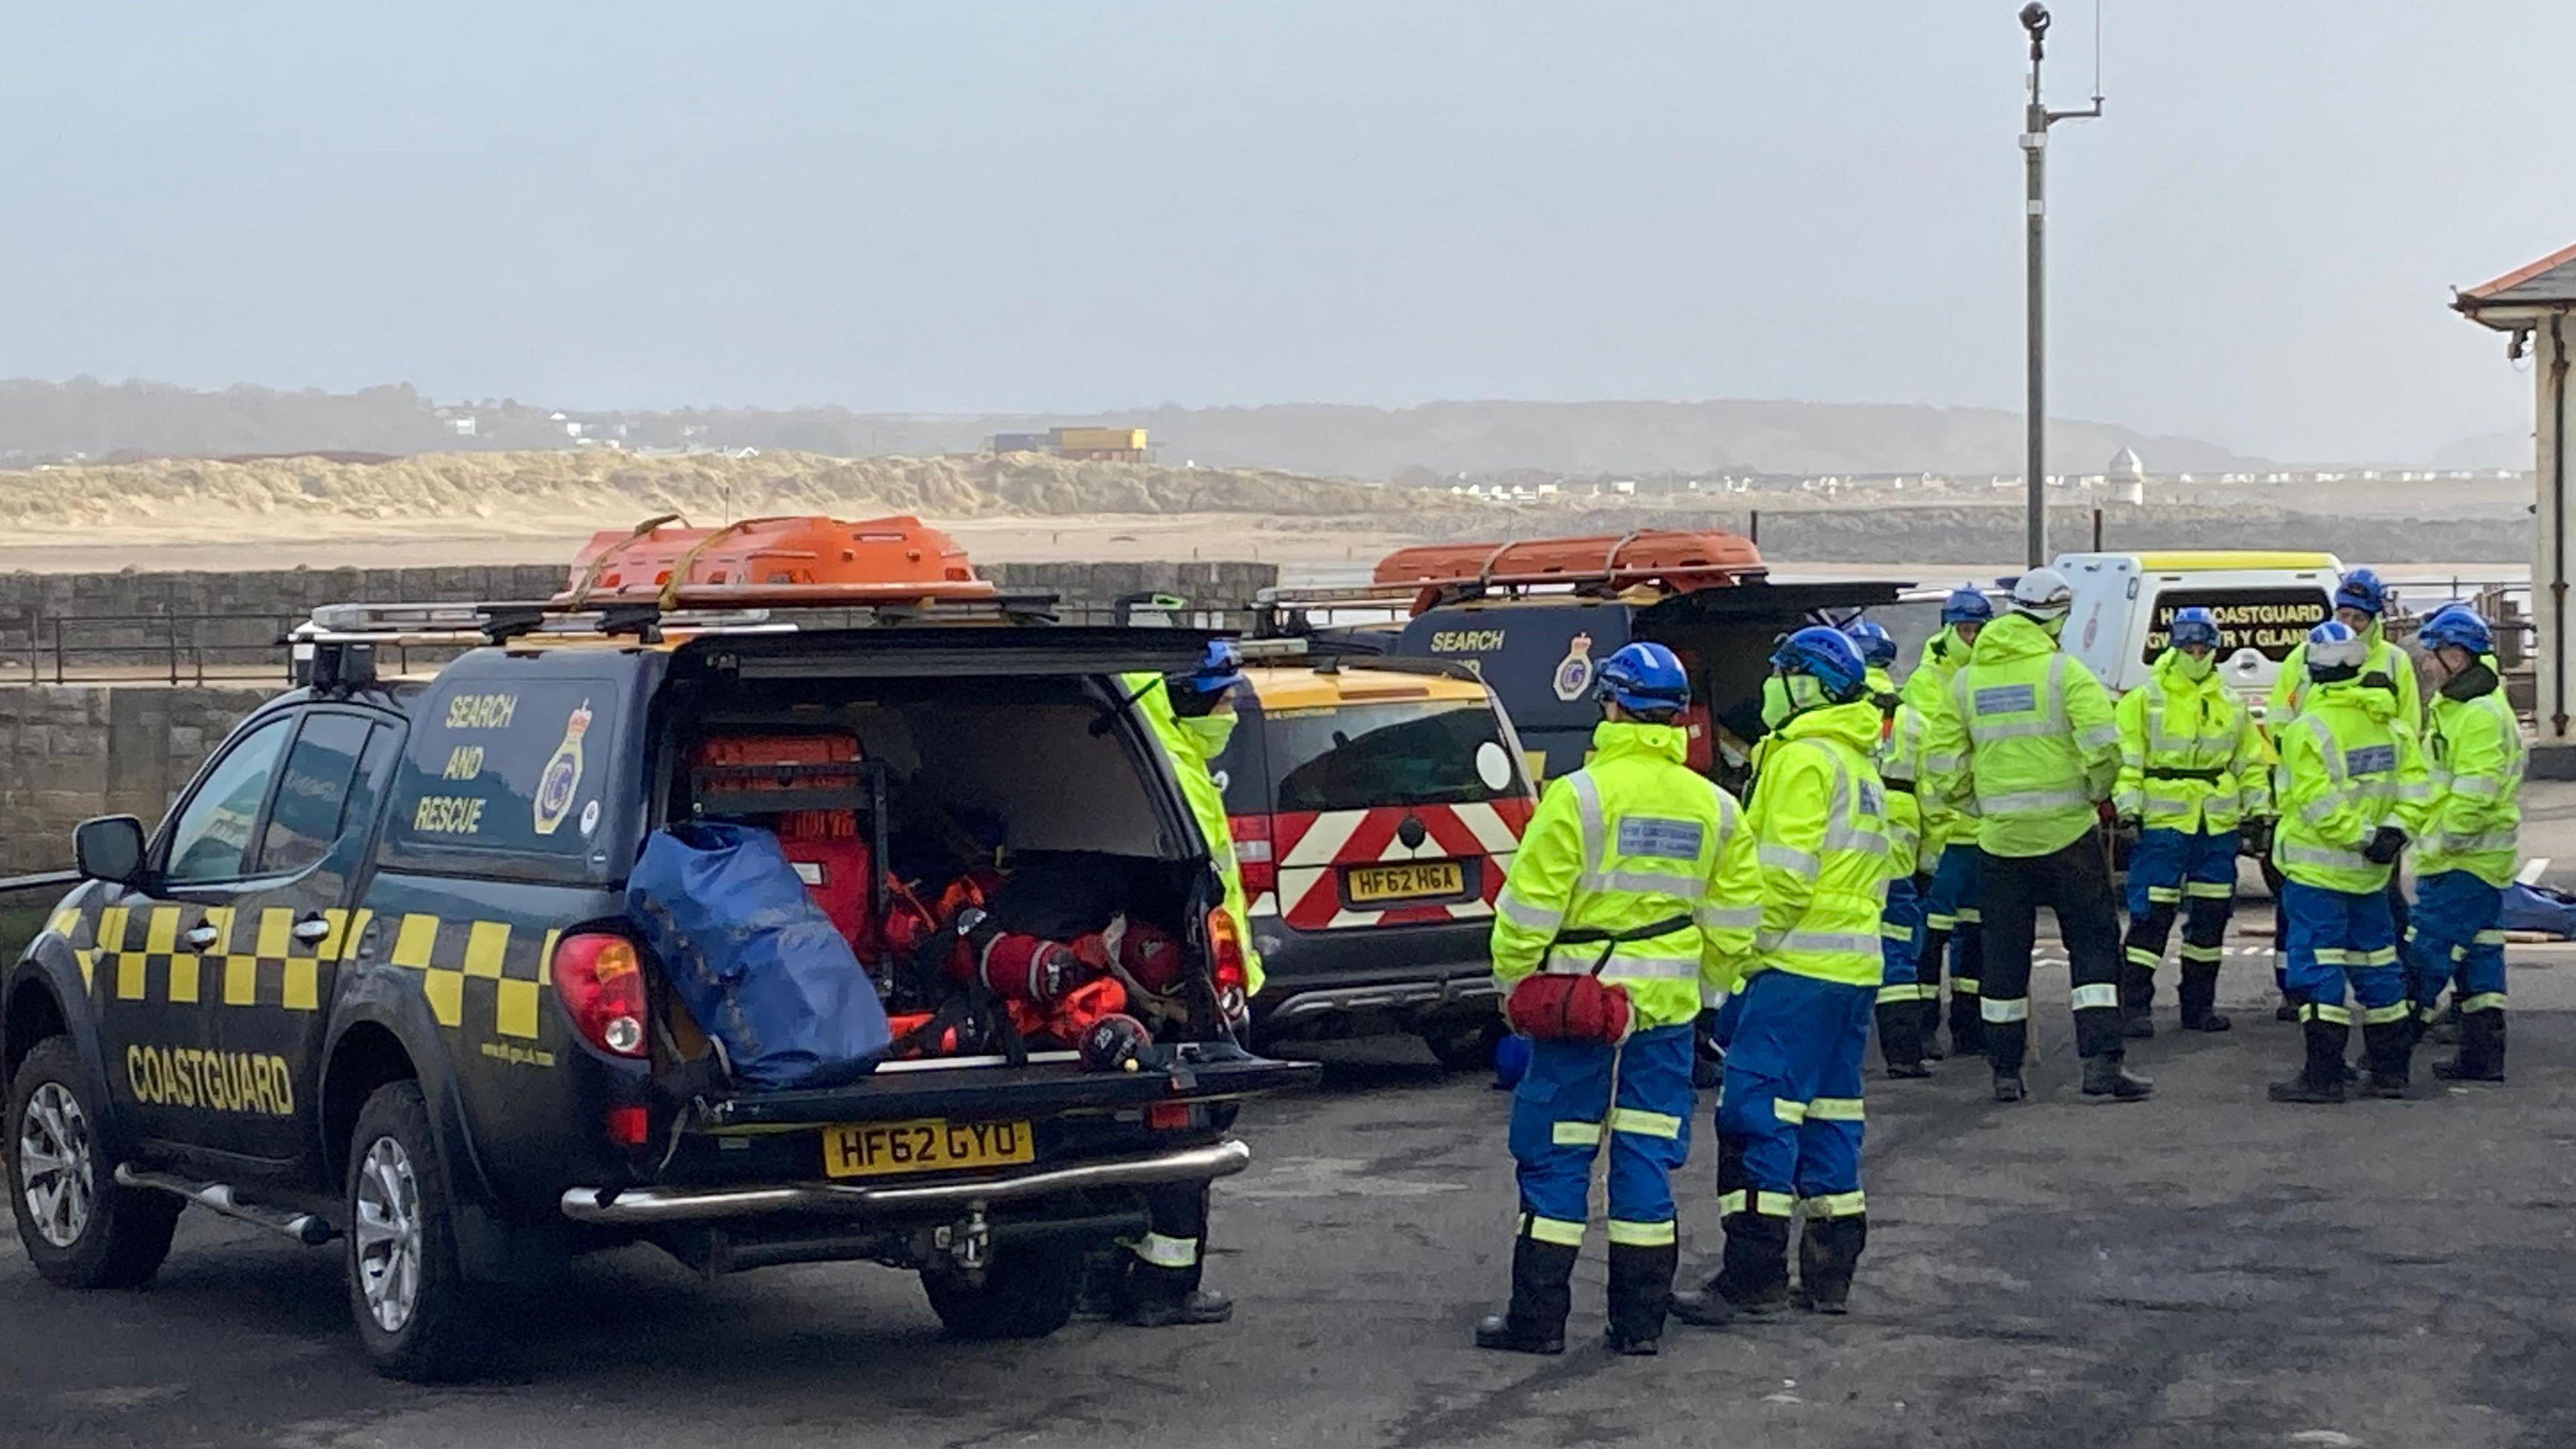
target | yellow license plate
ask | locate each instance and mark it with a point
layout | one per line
(925, 1144)
(1413, 880)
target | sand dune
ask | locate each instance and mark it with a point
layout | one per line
(540, 492)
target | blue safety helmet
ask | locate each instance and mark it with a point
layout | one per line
(1827, 656)
(1968, 606)
(1877, 646)
(2335, 652)
(2361, 589)
(1644, 679)
(1220, 668)
(2194, 626)
(2457, 626)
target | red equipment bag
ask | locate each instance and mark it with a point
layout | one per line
(829, 857)
(1549, 1007)
(1148, 956)
(1560, 1006)
(1015, 967)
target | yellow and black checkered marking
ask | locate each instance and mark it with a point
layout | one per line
(254, 959)
(485, 972)
(464, 965)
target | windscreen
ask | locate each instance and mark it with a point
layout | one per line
(1354, 756)
(2271, 621)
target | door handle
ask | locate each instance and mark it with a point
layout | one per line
(200, 936)
(312, 928)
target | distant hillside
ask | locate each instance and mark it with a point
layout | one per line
(42, 420)
(522, 492)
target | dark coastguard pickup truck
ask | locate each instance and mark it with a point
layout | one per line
(373, 980)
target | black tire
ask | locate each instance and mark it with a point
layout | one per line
(439, 1338)
(1465, 1046)
(125, 1233)
(1028, 1291)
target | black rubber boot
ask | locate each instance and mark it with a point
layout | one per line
(2137, 1001)
(2198, 994)
(2321, 1079)
(2387, 1045)
(2007, 1042)
(1641, 1292)
(1754, 1275)
(1967, 1026)
(2108, 1076)
(2481, 1057)
(1542, 1295)
(1703, 1307)
(1827, 1253)
(1197, 1307)
(1927, 1022)
(1898, 1022)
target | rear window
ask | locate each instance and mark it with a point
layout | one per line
(2271, 621)
(515, 767)
(1354, 756)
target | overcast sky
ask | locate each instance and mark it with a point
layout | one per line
(956, 206)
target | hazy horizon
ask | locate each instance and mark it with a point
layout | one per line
(1015, 208)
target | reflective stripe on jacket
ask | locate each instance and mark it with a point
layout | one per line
(1927, 693)
(1191, 744)
(2190, 758)
(2027, 741)
(2475, 762)
(1819, 823)
(1899, 763)
(2348, 767)
(1633, 838)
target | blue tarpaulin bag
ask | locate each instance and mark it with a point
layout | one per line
(2538, 908)
(754, 959)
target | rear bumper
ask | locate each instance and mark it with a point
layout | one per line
(1371, 977)
(651, 1206)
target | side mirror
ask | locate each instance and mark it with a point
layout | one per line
(109, 848)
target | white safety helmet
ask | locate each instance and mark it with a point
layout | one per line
(2043, 594)
(2335, 651)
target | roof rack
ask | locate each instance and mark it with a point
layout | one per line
(501, 622)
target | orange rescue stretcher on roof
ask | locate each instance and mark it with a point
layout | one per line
(762, 561)
(1672, 559)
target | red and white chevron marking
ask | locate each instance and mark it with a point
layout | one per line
(1311, 847)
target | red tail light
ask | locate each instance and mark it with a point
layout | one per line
(601, 981)
(1226, 966)
(1168, 1117)
(1252, 854)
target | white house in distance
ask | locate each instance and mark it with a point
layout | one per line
(2531, 305)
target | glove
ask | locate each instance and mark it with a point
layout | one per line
(2384, 845)
(2256, 836)
(2126, 820)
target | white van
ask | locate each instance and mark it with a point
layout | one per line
(2266, 602)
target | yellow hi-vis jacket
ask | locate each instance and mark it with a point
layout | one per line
(2349, 765)
(2190, 757)
(1192, 743)
(2290, 687)
(1634, 838)
(1927, 692)
(1899, 763)
(2476, 766)
(1819, 825)
(2027, 743)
